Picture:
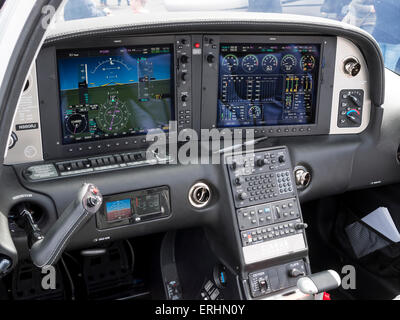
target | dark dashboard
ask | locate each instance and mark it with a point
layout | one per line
(95, 100)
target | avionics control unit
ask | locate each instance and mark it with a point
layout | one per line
(270, 223)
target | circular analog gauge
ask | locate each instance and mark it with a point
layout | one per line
(250, 63)
(113, 116)
(76, 123)
(254, 112)
(269, 63)
(307, 62)
(230, 62)
(288, 63)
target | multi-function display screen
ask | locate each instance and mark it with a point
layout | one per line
(115, 92)
(267, 84)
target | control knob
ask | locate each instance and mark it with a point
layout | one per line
(301, 226)
(184, 76)
(210, 58)
(354, 116)
(261, 162)
(243, 196)
(281, 159)
(239, 181)
(184, 59)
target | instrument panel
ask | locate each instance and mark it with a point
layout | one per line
(104, 97)
(115, 92)
(267, 84)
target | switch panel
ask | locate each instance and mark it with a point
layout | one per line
(350, 108)
(276, 278)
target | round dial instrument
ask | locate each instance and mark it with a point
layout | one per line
(76, 123)
(307, 62)
(230, 62)
(288, 63)
(254, 112)
(113, 116)
(250, 63)
(269, 63)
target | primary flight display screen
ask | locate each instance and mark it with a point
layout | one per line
(115, 92)
(267, 84)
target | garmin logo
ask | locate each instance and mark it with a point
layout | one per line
(27, 126)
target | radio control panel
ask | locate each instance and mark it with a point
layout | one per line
(268, 211)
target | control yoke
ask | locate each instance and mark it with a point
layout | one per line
(46, 250)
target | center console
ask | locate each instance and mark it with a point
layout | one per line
(269, 220)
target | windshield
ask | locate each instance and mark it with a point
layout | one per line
(378, 17)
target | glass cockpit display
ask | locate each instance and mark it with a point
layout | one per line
(267, 84)
(115, 92)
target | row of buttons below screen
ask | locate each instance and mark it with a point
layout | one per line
(280, 130)
(99, 162)
(108, 145)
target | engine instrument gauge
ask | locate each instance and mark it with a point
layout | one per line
(269, 63)
(307, 62)
(288, 63)
(254, 112)
(230, 62)
(250, 63)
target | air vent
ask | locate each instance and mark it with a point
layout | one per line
(351, 66)
(199, 195)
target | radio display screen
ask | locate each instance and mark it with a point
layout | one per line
(115, 92)
(148, 204)
(267, 84)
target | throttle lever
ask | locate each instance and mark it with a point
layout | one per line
(47, 251)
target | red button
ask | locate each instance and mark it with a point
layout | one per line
(197, 45)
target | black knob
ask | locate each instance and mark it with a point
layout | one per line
(281, 159)
(183, 41)
(354, 116)
(92, 201)
(238, 181)
(243, 196)
(184, 59)
(234, 165)
(210, 58)
(184, 97)
(300, 226)
(261, 162)
(184, 76)
(355, 100)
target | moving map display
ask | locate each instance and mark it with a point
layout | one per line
(115, 92)
(267, 84)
